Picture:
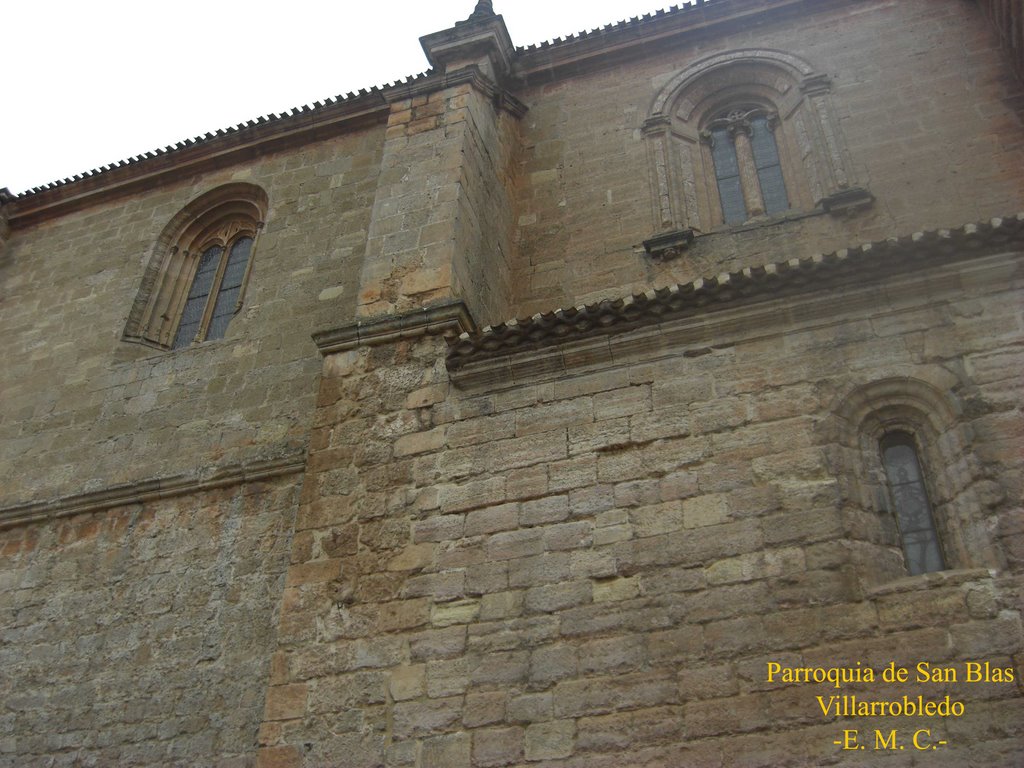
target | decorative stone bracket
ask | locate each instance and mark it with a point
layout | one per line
(669, 245)
(847, 200)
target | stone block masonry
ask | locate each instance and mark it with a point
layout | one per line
(923, 144)
(596, 568)
(72, 388)
(380, 523)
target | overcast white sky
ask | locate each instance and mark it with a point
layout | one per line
(89, 83)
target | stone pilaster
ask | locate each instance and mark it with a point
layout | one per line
(442, 217)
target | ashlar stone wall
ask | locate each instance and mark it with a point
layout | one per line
(442, 217)
(926, 105)
(585, 560)
(139, 631)
(594, 566)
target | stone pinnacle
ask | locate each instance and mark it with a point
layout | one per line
(484, 9)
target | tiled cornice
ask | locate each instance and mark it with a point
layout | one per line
(866, 263)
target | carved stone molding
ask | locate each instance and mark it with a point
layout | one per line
(482, 38)
(724, 90)
(149, 490)
(470, 75)
(444, 320)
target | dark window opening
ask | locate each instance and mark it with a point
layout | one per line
(920, 540)
(213, 297)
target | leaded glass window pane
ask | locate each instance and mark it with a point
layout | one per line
(198, 294)
(231, 284)
(727, 173)
(910, 500)
(769, 167)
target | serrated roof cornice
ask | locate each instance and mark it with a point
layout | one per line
(237, 143)
(637, 35)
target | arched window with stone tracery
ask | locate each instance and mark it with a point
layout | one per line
(196, 279)
(215, 294)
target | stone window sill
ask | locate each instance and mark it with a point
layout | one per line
(949, 578)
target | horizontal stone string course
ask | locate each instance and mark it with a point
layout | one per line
(150, 490)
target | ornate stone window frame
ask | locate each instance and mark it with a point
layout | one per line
(954, 479)
(815, 162)
(219, 217)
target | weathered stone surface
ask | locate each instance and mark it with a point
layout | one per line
(589, 553)
(145, 620)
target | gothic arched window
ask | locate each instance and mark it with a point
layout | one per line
(197, 274)
(921, 548)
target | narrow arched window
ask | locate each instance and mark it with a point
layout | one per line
(213, 298)
(921, 548)
(748, 170)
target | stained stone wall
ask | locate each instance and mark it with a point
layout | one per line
(578, 552)
(141, 634)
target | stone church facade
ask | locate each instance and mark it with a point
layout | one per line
(284, 485)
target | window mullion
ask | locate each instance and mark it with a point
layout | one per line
(748, 170)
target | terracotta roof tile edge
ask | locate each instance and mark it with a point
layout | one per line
(611, 315)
